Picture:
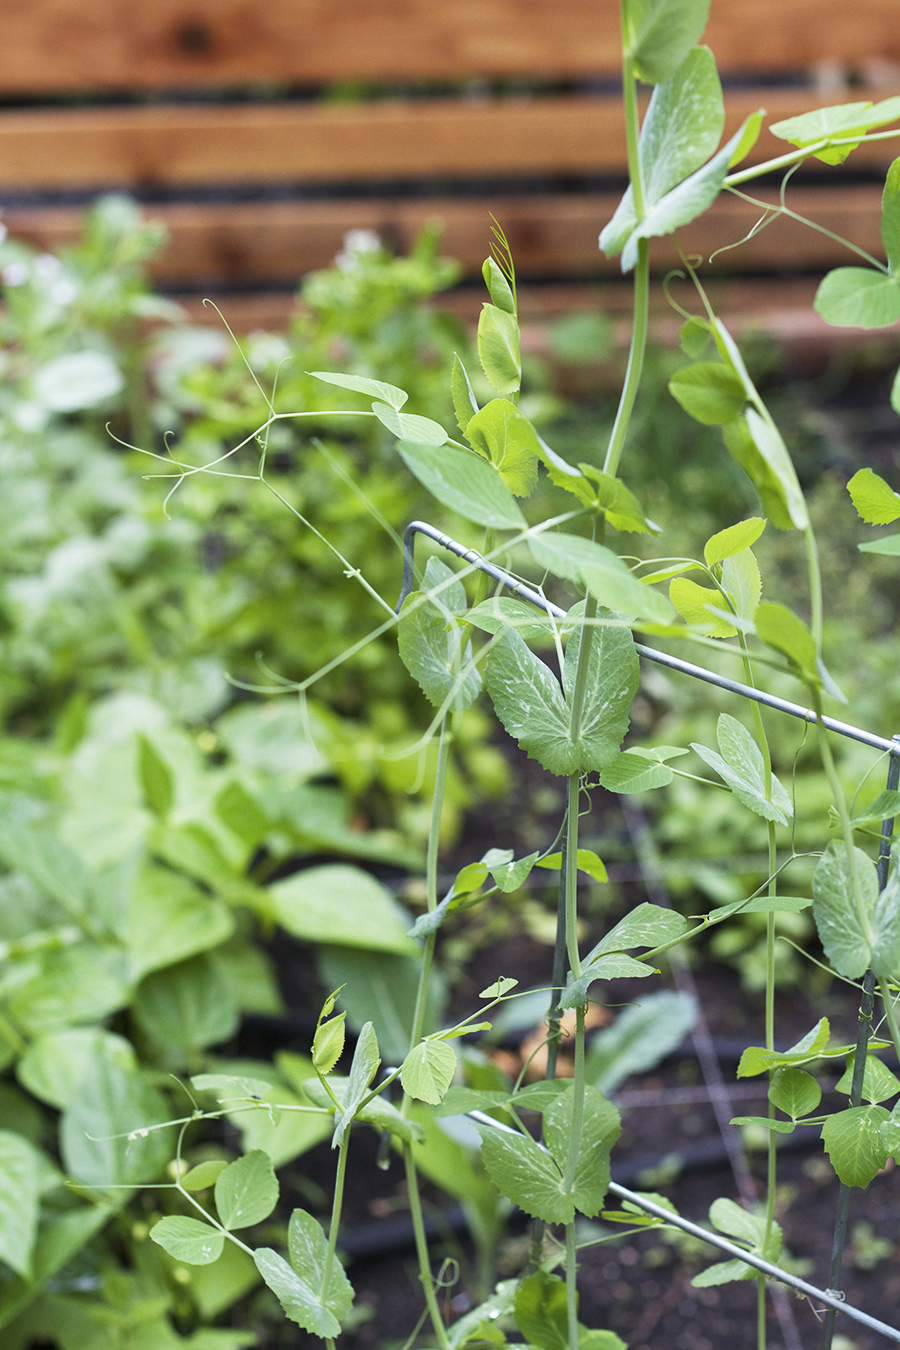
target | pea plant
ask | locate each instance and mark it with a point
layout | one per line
(562, 680)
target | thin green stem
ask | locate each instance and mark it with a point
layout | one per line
(577, 1104)
(890, 1009)
(640, 324)
(571, 1287)
(632, 136)
(571, 874)
(336, 1206)
(415, 1207)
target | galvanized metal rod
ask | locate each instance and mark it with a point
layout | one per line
(891, 747)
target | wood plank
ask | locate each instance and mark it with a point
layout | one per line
(185, 145)
(52, 45)
(275, 243)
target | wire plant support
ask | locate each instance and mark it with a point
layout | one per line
(832, 1297)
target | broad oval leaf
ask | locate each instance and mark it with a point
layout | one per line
(742, 767)
(692, 603)
(247, 1191)
(794, 1091)
(858, 297)
(409, 426)
(188, 1240)
(733, 540)
(875, 502)
(505, 436)
(839, 925)
(20, 1189)
(710, 392)
(429, 643)
(465, 483)
(361, 384)
(854, 1143)
(498, 348)
(428, 1071)
(658, 34)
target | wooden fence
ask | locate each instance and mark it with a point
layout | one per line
(261, 132)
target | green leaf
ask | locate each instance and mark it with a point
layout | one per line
(709, 391)
(756, 1059)
(409, 427)
(465, 404)
(686, 201)
(694, 337)
(875, 502)
(766, 1123)
(614, 966)
(505, 437)
(602, 571)
(586, 861)
(382, 988)
(889, 547)
(328, 1043)
(795, 1092)
(54, 1064)
(885, 806)
(362, 385)
(429, 643)
(886, 922)
(111, 1106)
(740, 764)
(878, 1082)
(498, 286)
(343, 905)
(749, 1230)
(510, 876)
(858, 297)
(853, 1142)
(298, 1286)
(156, 779)
(499, 988)
(742, 582)
(840, 121)
(499, 612)
(641, 1036)
(890, 213)
(541, 1311)
(242, 813)
(633, 771)
(601, 1128)
(659, 34)
(232, 1087)
(609, 496)
(692, 600)
(428, 1071)
(247, 1191)
(680, 130)
(170, 918)
(646, 926)
(188, 1240)
(204, 1175)
(839, 925)
(20, 1171)
(29, 844)
(498, 349)
(186, 1007)
(780, 629)
(734, 540)
(464, 482)
(525, 1174)
(366, 1060)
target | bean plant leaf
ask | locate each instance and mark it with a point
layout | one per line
(247, 1191)
(757, 1059)
(875, 502)
(498, 286)
(499, 612)
(343, 905)
(859, 297)
(839, 925)
(710, 392)
(189, 1240)
(498, 349)
(681, 129)
(204, 1175)
(541, 1311)
(890, 211)
(462, 480)
(879, 1083)
(795, 1092)
(854, 1143)
(525, 1174)
(740, 764)
(328, 1043)
(409, 426)
(105, 1133)
(366, 1060)
(155, 778)
(360, 384)
(298, 1286)
(633, 772)
(689, 199)
(885, 807)
(842, 121)
(505, 436)
(781, 629)
(429, 642)
(428, 1071)
(743, 584)
(603, 572)
(659, 34)
(465, 404)
(748, 1230)
(889, 547)
(586, 861)
(692, 603)
(20, 1171)
(601, 1128)
(646, 926)
(735, 539)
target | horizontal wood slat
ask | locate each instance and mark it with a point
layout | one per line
(551, 236)
(177, 146)
(52, 45)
